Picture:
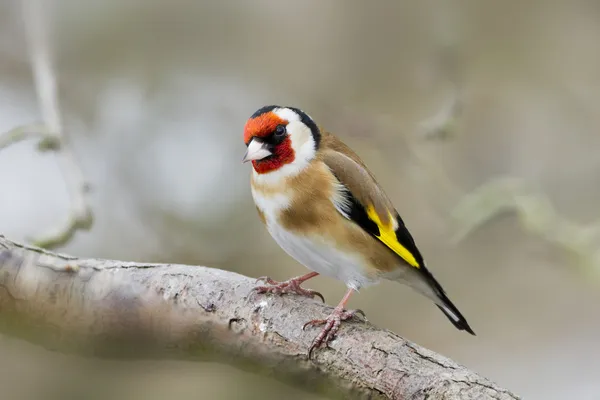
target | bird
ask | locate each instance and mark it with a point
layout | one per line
(327, 211)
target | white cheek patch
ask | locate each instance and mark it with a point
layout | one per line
(299, 134)
(302, 141)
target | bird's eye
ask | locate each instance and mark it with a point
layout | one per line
(280, 130)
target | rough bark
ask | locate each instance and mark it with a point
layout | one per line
(133, 310)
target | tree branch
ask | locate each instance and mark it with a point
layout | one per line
(137, 310)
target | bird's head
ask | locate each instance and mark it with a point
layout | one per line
(280, 137)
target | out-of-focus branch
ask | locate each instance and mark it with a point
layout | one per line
(498, 195)
(447, 66)
(442, 123)
(536, 213)
(33, 131)
(51, 132)
(136, 310)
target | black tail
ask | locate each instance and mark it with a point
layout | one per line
(450, 311)
(447, 307)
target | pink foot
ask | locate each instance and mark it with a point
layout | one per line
(332, 325)
(289, 286)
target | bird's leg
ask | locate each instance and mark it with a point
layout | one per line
(332, 323)
(289, 286)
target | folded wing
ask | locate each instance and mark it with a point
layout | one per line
(363, 202)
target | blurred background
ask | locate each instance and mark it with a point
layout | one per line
(155, 94)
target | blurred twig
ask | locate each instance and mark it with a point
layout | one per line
(51, 132)
(442, 124)
(134, 310)
(535, 212)
(33, 131)
(498, 195)
(474, 209)
(446, 65)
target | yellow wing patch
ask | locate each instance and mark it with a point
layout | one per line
(388, 236)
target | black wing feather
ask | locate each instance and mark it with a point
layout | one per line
(356, 212)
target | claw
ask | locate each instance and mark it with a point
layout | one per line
(256, 289)
(310, 350)
(361, 312)
(251, 292)
(315, 293)
(266, 280)
(314, 322)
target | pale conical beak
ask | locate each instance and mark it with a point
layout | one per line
(256, 151)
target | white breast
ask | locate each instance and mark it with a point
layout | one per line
(314, 252)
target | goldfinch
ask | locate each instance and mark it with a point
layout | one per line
(324, 207)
